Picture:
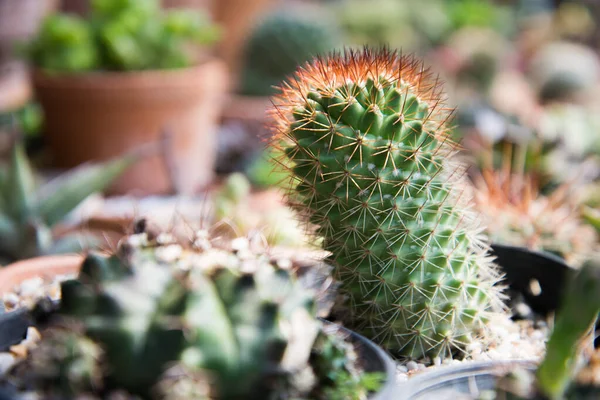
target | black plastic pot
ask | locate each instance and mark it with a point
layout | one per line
(462, 382)
(13, 329)
(522, 267)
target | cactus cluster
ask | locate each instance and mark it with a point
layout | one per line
(279, 43)
(29, 211)
(366, 133)
(213, 320)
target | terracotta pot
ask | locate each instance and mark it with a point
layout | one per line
(237, 17)
(197, 4)
(97, 116)
(45, 267)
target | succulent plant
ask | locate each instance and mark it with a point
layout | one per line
(280, 42)
(276, 222)
(29, 211)
(517, 214)
(564, 371)
(121, 35)
(367, 135)
(208, 321)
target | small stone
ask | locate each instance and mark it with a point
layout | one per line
(402, 369)
(421, 367)
(437, 361)
(411, 365)
(33, 337)
(239, 244)
(19, 350)
(31, 286)
(11, 300)
(7, 360)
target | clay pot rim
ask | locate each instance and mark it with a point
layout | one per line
(108, 80)
(45, 266)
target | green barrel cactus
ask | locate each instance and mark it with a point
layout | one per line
(280, 42)
(160, 320)
(367, 135)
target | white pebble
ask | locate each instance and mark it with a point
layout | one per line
(402, 369)
(411, 365)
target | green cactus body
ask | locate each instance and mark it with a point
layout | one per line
(229, 319)
(366, 132)
(281, 42)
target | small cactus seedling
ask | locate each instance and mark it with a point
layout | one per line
(517, 214)
(282, 41)
(158, 320)
(367, 135)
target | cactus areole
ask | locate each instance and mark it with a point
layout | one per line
(366, 133)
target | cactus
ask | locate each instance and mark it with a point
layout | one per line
(367, 134)
(517, 214)
(28, 212)
(280, 42)
(166, 321)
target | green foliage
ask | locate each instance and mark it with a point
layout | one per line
(121, 35)
(240, 326)
(261, 173)
(281, 42)
(416, 26)
(575, 319)
(366, 135)
(28, 211)
(65, 43)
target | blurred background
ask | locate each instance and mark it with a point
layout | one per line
(87, 80)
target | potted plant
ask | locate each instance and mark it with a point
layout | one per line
(32, 212)
(279, 42)
(126, 75)
(568, 370)
(365, 132)
(210, 320)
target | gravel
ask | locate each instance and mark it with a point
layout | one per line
(510, 340)
(32, 290)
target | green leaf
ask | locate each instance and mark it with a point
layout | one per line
(59, 197)
(20, 184)
(574, 321)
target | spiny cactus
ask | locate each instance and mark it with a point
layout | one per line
(517, 214)
(29, 211)
(280, 42)
(159, 320)
(367, 134)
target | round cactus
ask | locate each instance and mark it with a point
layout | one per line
(279, 43)
(367, 135)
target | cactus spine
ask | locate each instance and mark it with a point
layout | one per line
(367, 135)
